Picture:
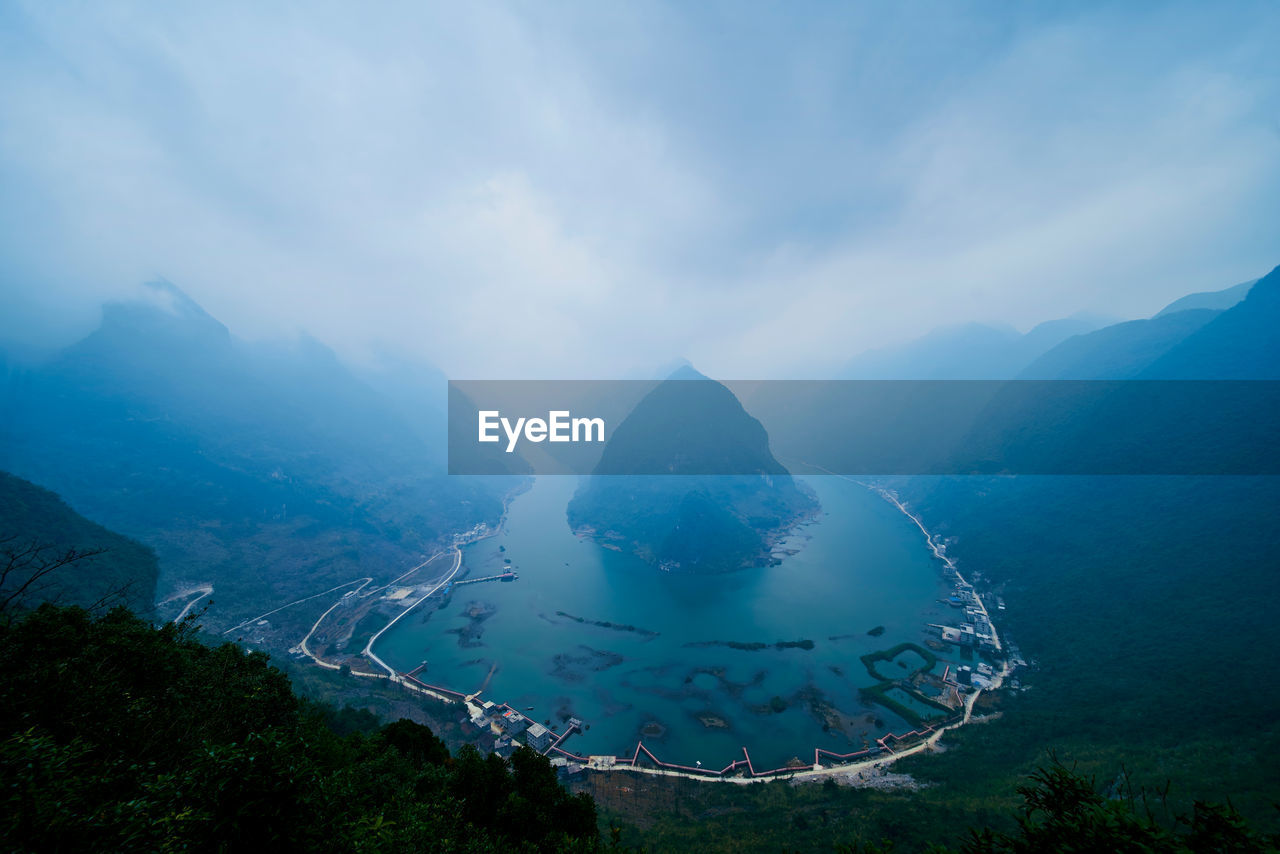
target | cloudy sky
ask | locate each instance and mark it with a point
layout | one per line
(589, 189)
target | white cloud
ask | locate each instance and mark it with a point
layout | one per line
(514, 191)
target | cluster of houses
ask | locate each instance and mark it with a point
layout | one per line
(981, 677)
(477, 532)
(975, 631)
(510, 724)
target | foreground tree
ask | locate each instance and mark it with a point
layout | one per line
(118, 736)
(28, 574)
(1063, 811)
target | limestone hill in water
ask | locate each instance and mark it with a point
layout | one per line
(687, 483)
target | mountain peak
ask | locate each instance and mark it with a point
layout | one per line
(683, 427)
(162, 308)
(687, 372)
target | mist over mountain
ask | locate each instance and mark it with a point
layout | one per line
(414, 390)
(1188, 339)
(273, 470)
(1118, 352)
(1217, 300)
(1103, 572)
(1040, 425)
(689, 425)
(258, 467)
(1241, 343)
(977, 523)
(1085, 346)
(669, 508)
(972, 351)
(1222, 426)
(471, 457)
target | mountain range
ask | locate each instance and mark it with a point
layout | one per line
(268, 470)
(1084, 346)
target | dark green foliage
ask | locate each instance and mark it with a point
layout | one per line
(115, 736)
(707, 536)
(416, 743)
(37, 528)
(691, 524)
(1063, 811)
(1144, 605)
(1136, 601)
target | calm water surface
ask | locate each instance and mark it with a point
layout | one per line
(862, 564)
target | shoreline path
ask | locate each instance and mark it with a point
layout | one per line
(803, 773)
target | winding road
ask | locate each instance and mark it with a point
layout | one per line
(368, 648)
(358, 591)
(204, 590)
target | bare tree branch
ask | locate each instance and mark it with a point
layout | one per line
(25, 570)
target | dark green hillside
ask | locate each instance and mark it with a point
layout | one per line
(704, 531)
(115, 736)
(38, 529)
(695, 524)
(1142, 602)
(1146, 607)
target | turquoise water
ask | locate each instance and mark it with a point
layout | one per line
(862, 564)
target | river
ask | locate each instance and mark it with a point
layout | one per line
(673, 684)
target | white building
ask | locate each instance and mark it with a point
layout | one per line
(538, 737)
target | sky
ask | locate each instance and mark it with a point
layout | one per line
(593, 189)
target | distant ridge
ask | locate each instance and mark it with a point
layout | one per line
(1118, 352)
(972, 351)
(1241, 343)
(262, 468)
(1217, 300)
(1083, 346)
